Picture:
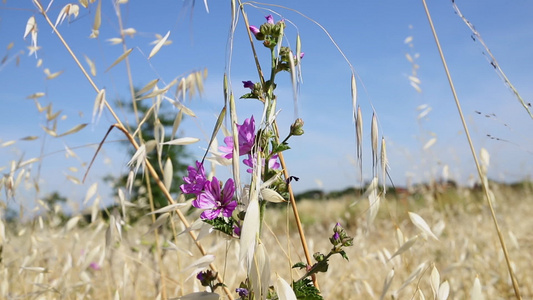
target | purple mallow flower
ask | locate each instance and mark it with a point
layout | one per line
(254, 29)
(237, 230)
(242, 292)
(200, 276)
(216, 201)
(195, 181)
(246, 133)
(95, 266)
(336, 236)
(270, 19)
(273, 163)
(248, 84)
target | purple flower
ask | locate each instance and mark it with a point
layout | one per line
(201, 276)
(336, 236)
(216, 201)
(273, 163)
(254, 29)
(242, 292)
(195, 181)
(246, 133)
(237, 230)
(248, 84)
(270, 19)
(95, 266)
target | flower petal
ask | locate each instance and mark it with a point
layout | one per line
(229, 208)
(210, 214)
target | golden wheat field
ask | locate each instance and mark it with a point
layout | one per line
(53, 259)
(173, 150)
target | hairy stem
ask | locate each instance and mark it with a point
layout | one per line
(281, 159)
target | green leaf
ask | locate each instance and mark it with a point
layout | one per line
(222, 224)
(249, 96)
(299, 265)
(280, 148)
(344, 255)
(305, 290)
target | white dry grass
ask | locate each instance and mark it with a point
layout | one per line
(60, 261)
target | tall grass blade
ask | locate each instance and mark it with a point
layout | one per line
(97, 21)
(374, 138)
(503, 245)
(168, 172)
(434, 281)
(359, 140)
(73, 130)
(158, 46)
(182, 141)
(386, 284)
(421, 224)
(384, 164)
(476, 293)
(492, 59)
(90, 192)
(249, 232)
(92, 66)
(218, 124)
(119, 59)
(284, 290)
(444, 291)
(354, 97)
(406, 246)
(150, 85)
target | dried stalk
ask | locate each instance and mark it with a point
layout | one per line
(473, 150)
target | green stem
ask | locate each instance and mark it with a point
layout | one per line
(262, 208)
(287, 138)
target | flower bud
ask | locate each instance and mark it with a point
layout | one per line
(248, 84)
(270, 19)
(254, 30)
(297, 127)
(206, 277)
(319, 256)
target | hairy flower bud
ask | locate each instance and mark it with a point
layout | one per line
(297, 127)
(319, 256)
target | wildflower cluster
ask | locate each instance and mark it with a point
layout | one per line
(283, 59)
(270, 32)
(247, 136)
(340, 240)
(261, 147)
(210, 195)
(207, 278)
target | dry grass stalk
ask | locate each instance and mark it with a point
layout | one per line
(121, 127)
(478, 166)
(493, 60)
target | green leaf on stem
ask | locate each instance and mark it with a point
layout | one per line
(249, 96)
(304, 289)
(299, 265)
(277, 148)
(222, 224)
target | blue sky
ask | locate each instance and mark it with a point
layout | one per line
(371, 34)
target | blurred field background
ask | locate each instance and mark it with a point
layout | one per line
(50, 259)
